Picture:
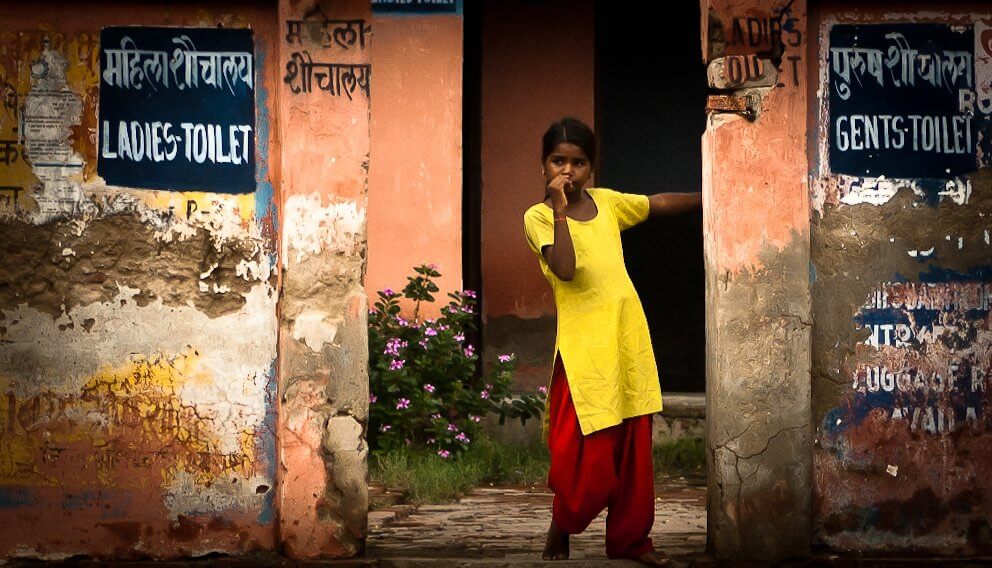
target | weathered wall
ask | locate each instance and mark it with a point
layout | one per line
(756, 241)
(323, 345)
(537, 67)
(902, 291)
(415, 181)
(137, 327)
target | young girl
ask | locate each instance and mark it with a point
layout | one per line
(599, 429)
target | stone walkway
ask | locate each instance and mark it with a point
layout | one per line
(509, 524)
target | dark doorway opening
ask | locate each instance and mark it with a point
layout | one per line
(650, 101)
(472, 156)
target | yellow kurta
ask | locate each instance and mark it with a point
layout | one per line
(603, 335)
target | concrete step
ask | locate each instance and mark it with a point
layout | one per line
(684, 405)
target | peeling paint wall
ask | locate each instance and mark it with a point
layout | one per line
(756, 243)
(323, 342)
(901, 299)
(137, 328)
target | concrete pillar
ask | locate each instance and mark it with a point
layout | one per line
(323, 125)
(756, 227)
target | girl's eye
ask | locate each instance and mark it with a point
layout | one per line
(580, 163)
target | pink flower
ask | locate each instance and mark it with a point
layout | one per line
(469, 351)
(445, 454)
(542, 390)
(432, 266)
(429, 387)
(505, 358)
(422, 343)
(373, 398)
(402, 322)
(430, 332)
(469, 293)
(388, 292)
(385, 428)
(459, 337)
(474, 418)
(430, 441)
(436, 416)
(467, 309)
(452, 427)
(393, 346)
(396, 364)
(484, 395)
(442, 327)
(372, 311)
(403, 403)
(461, 437)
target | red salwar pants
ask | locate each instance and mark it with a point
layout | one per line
(611, 468)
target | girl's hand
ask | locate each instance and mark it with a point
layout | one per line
(557, 188)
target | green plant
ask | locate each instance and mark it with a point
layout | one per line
(423, 478)
(422, 374)
(686, 455)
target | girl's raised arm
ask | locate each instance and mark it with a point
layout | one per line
(560, 255)
(674, 203)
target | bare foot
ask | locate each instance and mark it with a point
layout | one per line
(556, 544)
(655, 558)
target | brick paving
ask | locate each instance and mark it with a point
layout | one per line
(510, 523)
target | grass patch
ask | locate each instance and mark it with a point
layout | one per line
(680, 457)
(426, 478)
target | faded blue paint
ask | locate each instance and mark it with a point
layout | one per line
(880, 316)
(913, 393)
(832, 436)
(409, 8)
(932, 188)
(267, 444)
(264, 192)
(80, 500)
(265, 208)
(13, 497)
(937, 275)
(112, 504)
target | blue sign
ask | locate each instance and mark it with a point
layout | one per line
(417, 6)
(177, 109)
(895, 100)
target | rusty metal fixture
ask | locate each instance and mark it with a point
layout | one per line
(747, 104)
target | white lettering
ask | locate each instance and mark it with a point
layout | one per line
(105, 150)
(200, 148)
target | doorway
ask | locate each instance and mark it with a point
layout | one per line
(650, 101)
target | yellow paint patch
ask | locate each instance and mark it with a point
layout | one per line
(127, 420)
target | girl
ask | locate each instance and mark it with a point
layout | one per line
(599, 429)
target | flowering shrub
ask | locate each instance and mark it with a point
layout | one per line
(422, 374)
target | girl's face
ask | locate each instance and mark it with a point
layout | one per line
(570, 161)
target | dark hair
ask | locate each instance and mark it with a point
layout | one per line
(573, 131)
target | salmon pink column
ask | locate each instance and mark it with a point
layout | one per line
(756, 242)
(323, 384)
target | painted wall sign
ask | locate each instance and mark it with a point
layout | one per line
(899, 96)
(337, 79)
(177, 108)
(417, 6)
(931, 365)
